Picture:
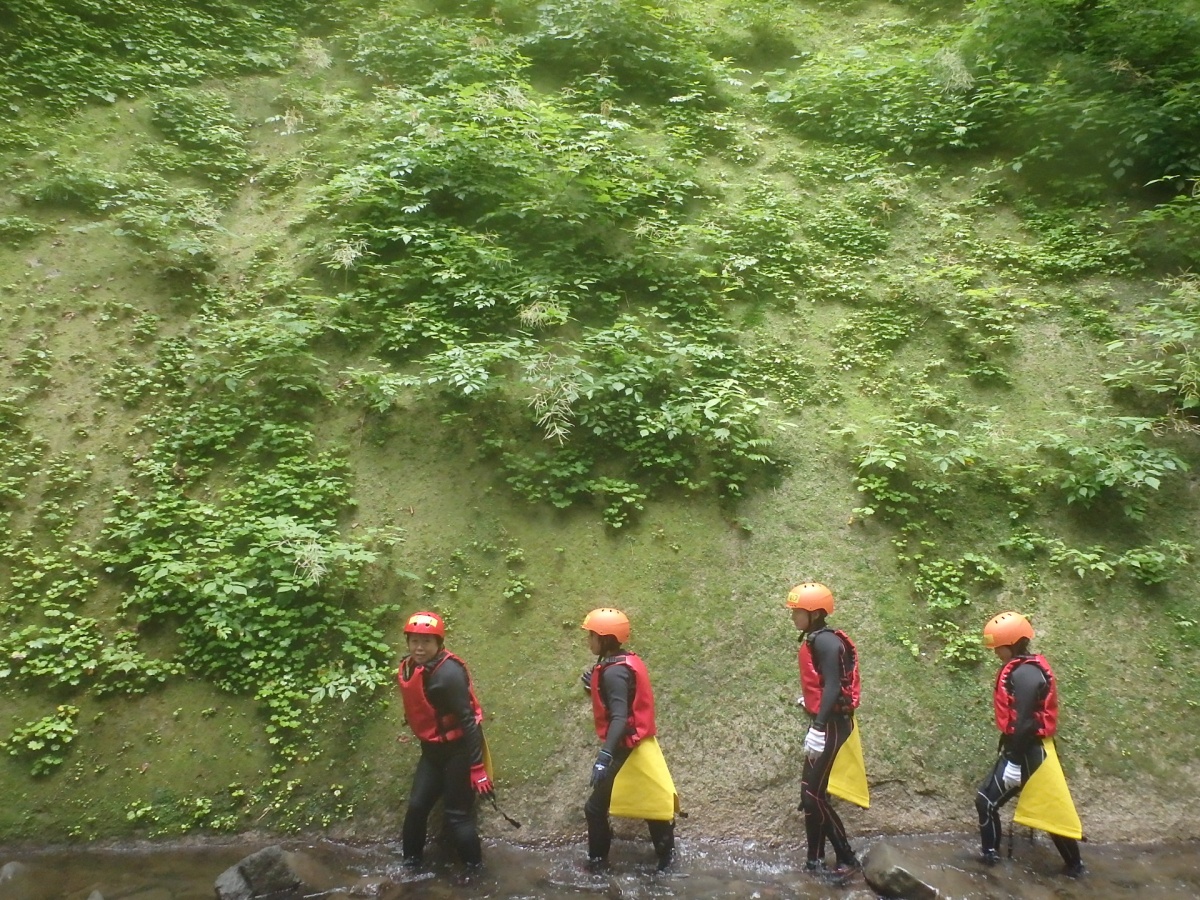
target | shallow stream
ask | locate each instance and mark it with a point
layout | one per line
(704, 870)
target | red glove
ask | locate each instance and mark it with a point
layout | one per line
(480, 783)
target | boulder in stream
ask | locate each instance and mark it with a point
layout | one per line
(21, 881)
(890, 874)
(271, 874)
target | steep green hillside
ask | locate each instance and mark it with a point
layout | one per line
(318, 316)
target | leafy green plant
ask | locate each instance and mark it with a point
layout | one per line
(912, 467)
(77, 654)
(1168, 234)
(35, 362)
(765, 258)
(1145, 564)
(202, 123)
(781, 372)
(898, 102)
(1149, 565)
(867, 338)
(44, 742)
(847, 232)
(1100, 89)
(69, 55)
(1074, 243)
(945, 585)
(16, 230)
(958, 647)
(1162, 355)
(174, 227)
(429, 52)
(644, 47)
(79, 186)
(21, 452)
(1100, 465)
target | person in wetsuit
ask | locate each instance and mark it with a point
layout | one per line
(623, 710)
(829, 681)
(1026, 707)
(441, 708)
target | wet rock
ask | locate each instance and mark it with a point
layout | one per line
(12, 873)
(20, 881)
(368, 886)
(890, 874)
(314, 874)
(269, 874)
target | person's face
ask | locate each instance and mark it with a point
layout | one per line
(594, 643)
(1005, 653)
(801, 618)
(422, 647)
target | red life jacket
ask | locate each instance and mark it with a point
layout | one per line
(1005, 701)
(641, 704)
(425, 721)
(812, 686)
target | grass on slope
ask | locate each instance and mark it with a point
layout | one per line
(187, 306)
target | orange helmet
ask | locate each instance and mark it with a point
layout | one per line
(1005, 630)
(811, 596)
(425, 623)
(607, 621)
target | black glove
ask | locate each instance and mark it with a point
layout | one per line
(601, 767)
(586, 679)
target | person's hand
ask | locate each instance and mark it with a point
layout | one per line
(1011, 776)
(480, 783)
(814, 743)
(586, 679)
(601, 767)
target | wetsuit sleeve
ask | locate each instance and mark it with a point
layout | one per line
(1029, 687)
(616, 690)
(449, 693)
(827, 651)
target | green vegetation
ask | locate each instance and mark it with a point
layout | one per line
(317, 314)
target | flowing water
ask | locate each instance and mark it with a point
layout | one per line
(704, 870)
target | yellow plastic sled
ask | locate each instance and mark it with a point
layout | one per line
(1045, 801)
(848, 778)
(643, 788)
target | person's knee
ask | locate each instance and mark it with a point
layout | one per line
(418, 812)
(458, 816)
(595, 810)
(810, 803)
(985, 807)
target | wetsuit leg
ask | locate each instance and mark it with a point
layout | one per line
(596, 810)
(596, 813)
(662, 835)
(458, 804)
(821, 822)
(990, 796)
(443, 772)
(426, 790)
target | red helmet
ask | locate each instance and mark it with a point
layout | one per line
(1005, 630)
(425, 623)
(811, 596)
(607, 621)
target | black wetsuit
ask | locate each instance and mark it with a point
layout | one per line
(821, 821)
(444, 770)
(616, 691)
(1024, 747)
